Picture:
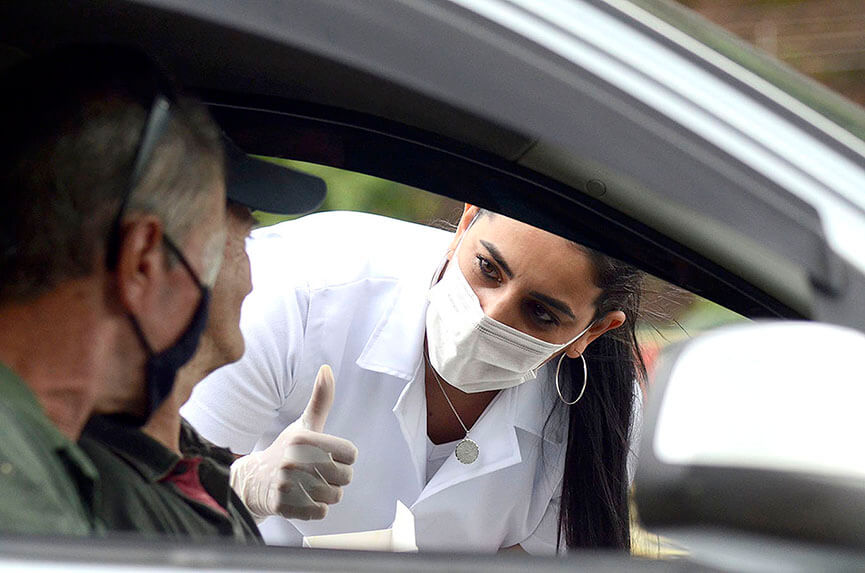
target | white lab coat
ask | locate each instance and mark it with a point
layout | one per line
(350, 290)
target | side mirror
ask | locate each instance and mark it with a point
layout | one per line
(758, 429)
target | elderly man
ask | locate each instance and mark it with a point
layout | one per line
(111, 234)
(166, 480)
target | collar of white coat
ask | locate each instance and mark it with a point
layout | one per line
(395, 347)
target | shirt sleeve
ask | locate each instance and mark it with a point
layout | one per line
(237, 404)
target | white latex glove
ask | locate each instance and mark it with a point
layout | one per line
(303, 470)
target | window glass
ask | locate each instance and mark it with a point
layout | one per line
(819, 38)
(351, 191)
(823, 40)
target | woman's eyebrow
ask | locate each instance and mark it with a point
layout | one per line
(553, 302)
(497, 256)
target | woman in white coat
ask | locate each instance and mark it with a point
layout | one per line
(496, 404)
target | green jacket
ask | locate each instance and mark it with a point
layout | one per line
(151, 490)
(47, 484)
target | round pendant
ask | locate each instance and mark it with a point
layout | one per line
(467, 451)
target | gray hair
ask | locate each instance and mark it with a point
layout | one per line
(65, 168)
(187, 162)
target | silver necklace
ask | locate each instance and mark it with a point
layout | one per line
(467, 450)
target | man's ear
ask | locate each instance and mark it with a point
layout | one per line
(612, 320)
(469, 214)
(140, 263)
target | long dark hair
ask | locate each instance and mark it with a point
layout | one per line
(594, 508)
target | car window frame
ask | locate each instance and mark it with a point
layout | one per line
(365, 144)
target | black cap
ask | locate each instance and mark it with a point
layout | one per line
(265, 186)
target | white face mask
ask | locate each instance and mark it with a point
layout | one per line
(472, 351)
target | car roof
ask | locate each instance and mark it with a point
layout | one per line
(507, 86)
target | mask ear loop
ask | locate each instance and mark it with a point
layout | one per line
(585, 380)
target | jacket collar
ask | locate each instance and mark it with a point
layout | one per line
(22, 403)
(147, 456)
(534, 401)
(155, 462)
(395, 346)
(524, 408)
(21, 400)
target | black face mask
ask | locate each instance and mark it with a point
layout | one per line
(161, 367)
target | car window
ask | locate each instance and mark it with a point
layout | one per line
(668, 315)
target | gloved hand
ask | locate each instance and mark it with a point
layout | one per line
(303, 470)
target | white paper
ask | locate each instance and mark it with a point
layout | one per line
(400, 537)
(402, 530)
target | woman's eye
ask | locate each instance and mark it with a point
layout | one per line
(541, 315)
(488, 269)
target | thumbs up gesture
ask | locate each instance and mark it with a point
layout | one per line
(303, 470)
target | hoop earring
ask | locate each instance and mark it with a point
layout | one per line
(585, 380)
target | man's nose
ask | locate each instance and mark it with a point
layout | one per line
(247, 273)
